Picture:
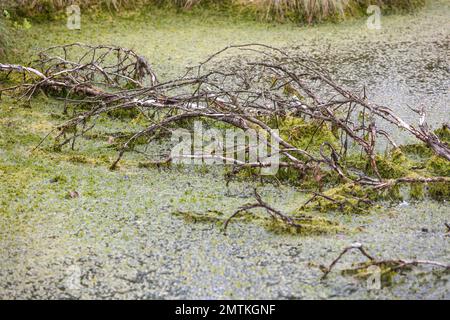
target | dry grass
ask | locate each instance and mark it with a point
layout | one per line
(317, 10)
(306, 10)
(280, 10)
(3, 37)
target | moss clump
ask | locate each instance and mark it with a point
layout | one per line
(438, 166)
(78, 159)
(307, 226)
(443, 133)
(347, 198)
(439, 191)
(215, 217)
(290, 175)
(123, 113)
(420, 150)
(416, 191)
(394, 165)
(149, 165)
(58, 179)
(365, 270)
(352, 198)
(307, 135)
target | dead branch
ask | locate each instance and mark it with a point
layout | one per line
(394, 264)
(392, 182)
(274, 213)
(245, 92)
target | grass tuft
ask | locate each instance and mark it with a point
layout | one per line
(299, 11)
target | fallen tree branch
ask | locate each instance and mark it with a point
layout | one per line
(392, 182)
(394, 264)
(256, 91)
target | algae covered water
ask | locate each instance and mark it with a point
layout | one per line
(154, 233)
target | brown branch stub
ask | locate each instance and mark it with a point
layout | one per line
(447, 225)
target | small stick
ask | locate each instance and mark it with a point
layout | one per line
(276, 214)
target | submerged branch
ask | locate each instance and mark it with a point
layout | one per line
(394, 264)
(274, 213)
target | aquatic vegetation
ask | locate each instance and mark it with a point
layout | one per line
(323, 140)
(309, 225)
(394, 165)
(120, 230)
(438, 166)
(319, 142)
(347, 198)
(443, 133)
(305, 134)
(439, 191)
(417, 191)
(418, 150)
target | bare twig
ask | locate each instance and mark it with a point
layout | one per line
(274, 213)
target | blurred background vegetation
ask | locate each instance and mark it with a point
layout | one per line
(3, 36)
(308, 11)
(275, 11)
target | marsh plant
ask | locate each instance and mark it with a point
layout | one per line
(302, 11)
(3, 33)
